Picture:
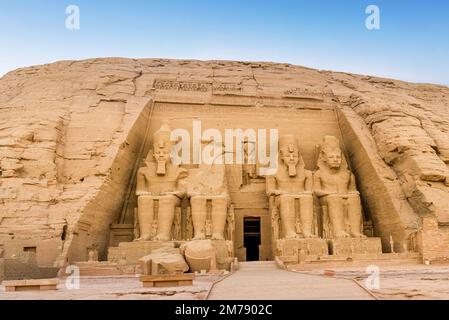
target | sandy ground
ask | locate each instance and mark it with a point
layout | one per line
(405, 282)
(117, 288)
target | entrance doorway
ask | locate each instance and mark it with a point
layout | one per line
(251, 237)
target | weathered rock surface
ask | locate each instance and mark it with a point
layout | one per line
(72, 134)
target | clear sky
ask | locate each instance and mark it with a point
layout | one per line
(412, 43)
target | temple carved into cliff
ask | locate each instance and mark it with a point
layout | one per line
(90, 166)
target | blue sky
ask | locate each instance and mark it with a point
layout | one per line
(412, 44)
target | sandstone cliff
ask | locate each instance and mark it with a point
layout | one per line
(73, 132)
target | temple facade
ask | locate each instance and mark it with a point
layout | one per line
(333, 166)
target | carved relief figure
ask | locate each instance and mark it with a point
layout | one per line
(189, 224)
(157, 189)
(275, 223)
(230, 223)
(249, 162)
(292, 189)
(177, 228)
(209, 199)
(335, 187)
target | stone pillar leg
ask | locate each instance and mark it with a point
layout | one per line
(166, 216)
(199, 214)
(336, 215)
(288, 216)
(145, 213)
(219, 213)
(306, 214)
(355, 216)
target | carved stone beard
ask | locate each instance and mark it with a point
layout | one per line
(291, 167)
(291, 170)
(161, 167)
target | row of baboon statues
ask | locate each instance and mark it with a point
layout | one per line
(291, 189)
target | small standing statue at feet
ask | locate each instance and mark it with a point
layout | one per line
(249, 161)
(335, 186)
(157, 189)
(292, 189)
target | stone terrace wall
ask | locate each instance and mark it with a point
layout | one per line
(434, 240)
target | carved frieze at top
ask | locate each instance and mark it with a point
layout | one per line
(226, 87)
(196, 86)
(174, 85)
(306, 93)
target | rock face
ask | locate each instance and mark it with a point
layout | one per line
(74, 133)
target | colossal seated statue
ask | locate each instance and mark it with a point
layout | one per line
(209, 200)
(157, 189)
(292, 189)
(335, 187)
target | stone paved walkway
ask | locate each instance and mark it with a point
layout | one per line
(265, 281)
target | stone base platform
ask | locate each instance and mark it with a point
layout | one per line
(27, 285)
(106, 268)
(293, 263)
(129, 253)
(169, 280)
(306, 247)
(352, 246)
(304, 251)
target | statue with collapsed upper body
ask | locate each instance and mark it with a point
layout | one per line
(209, 198)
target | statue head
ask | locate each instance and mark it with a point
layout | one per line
(331, 153)
(289, 153)
(161, 148)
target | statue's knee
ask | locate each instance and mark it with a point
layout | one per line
(194, 201)
(284, 197)
(333, 199)
(306, 199)
(353, 199)
(220, 202)
(169, 200)
(143, 200)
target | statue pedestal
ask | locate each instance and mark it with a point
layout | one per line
(296, 247)
(350, 246)
(129, 253)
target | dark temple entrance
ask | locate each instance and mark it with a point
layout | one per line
(251, 237)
